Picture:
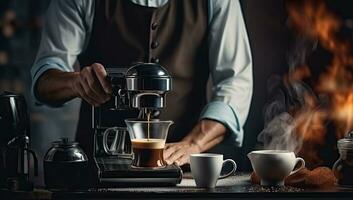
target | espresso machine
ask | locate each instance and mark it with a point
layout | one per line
(15, 151)
(137, 91)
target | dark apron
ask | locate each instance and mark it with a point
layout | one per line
(174, 35)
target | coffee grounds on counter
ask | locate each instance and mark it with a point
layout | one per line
(274, 189)
(320, 177)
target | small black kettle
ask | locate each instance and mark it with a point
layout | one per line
(15, 148)
(65, 166)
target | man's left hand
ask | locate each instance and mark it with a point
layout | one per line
(179, 153)
(205, 135)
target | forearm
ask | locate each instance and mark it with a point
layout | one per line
(206, 134)
(54, 87)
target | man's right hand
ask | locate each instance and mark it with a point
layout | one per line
(91, 85)
(56, 87)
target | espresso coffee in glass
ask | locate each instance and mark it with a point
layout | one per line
(148, 142)
(148, 153)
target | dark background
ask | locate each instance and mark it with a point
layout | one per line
(270, 40)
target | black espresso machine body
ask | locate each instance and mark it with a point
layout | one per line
(137, 90)
(15, 152)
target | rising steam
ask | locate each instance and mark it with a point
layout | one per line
(289, 98)
(297, 116)
(279, 134)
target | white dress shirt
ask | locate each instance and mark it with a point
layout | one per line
(69, 24)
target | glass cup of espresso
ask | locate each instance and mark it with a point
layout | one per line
(148, 141)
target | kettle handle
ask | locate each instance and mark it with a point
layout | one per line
(35, 161)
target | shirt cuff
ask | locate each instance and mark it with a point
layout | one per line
(223, 113)
(39, 68)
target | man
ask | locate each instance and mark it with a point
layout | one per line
(191, 39)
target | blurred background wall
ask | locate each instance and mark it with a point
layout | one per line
(20, 28)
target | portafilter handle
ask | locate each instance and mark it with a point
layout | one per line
(116, 77)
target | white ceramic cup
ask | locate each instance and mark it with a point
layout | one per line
(273, 166)
(206, 168)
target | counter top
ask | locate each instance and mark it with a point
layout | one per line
(238, 186)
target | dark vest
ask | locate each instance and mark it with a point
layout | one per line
(174, 35)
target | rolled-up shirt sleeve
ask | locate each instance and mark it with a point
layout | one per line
(63, 38)
(231, 69)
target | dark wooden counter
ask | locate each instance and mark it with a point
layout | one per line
(235, 187)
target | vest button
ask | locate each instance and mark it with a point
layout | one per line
(154, 25)
(154, 44)
(155, 60)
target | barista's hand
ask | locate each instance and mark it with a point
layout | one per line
(179, 152)
(92, 86)
(205, 135)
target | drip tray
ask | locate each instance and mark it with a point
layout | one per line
(114, 172)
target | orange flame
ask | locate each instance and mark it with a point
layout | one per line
(342, 113)
(313, 19)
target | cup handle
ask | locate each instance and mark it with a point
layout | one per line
(105, 140)
(233, 169)
(302, 165)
